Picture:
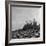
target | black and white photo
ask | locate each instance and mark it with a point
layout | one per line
(26, 22)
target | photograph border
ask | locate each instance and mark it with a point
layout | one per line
(25, 2)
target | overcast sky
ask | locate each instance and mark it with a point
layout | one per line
(22, 14)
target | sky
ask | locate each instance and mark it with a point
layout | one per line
(22, 14)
